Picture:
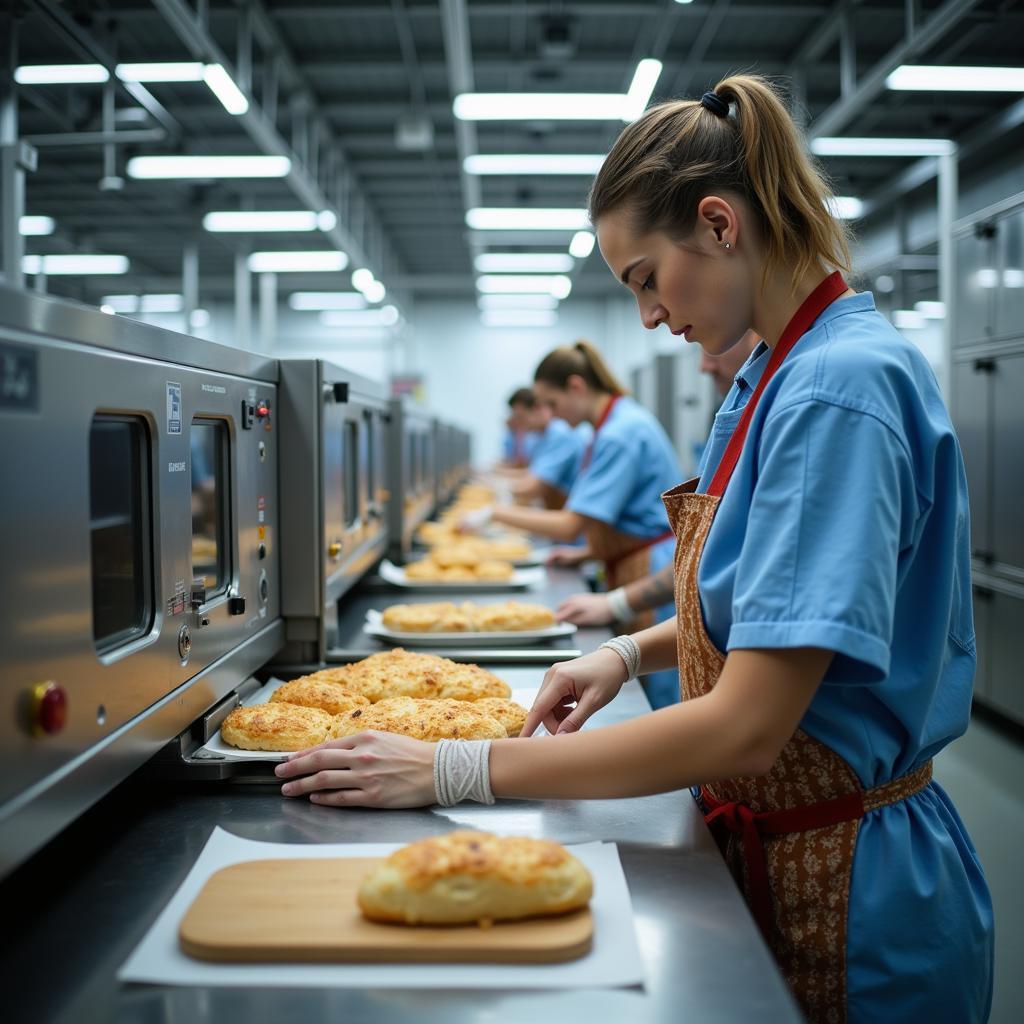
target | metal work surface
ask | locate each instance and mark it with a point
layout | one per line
(374, 593)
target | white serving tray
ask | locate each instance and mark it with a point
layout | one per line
(375, 627)
(394, 574)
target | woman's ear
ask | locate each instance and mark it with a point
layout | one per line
(717, 222)
(576, 384)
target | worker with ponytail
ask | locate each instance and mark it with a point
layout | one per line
(824, 636)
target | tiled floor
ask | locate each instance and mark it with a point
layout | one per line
(983, 772)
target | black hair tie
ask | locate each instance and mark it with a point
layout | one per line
(713, 102)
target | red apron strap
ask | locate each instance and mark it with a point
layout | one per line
(823, 296)
(585, 461)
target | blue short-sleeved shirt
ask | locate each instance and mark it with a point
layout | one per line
(555, 460)
(516, 445)
(845, 527)
(632, 463)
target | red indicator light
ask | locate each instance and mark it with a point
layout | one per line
(49, 709)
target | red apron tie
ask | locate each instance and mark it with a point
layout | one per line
(585, 461)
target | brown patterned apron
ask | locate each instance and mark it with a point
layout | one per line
(551, 496)
(788, 836)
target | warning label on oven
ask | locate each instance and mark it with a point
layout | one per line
(173, 408)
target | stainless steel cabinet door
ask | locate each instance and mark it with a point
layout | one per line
(976, 282)
(1008, 461)
(982, 614)
(1009, 310)
(972, 404)
(1006, 655)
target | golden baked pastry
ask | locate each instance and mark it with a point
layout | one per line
(511, 549)
(458, 573)
(512, 616)
(400, 673)
(433, 617)
(508, 712)
(319, 693)
(275, 726)
(493, 569)
(466, 876)
(465, 555)
(429, 720)
(424, 569)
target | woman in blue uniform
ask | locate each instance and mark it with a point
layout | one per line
(824, 639)
(615, 500)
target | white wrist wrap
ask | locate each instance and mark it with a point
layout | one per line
(628, 650)
(619, 605)
(462, 771)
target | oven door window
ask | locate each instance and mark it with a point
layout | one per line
(120, 527)
(210, 505)
(352, 512)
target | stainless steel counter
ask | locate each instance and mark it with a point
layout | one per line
(76, 910)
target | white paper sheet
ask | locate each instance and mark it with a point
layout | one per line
(614, 960)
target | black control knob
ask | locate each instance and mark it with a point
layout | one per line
(261, 551)
(236, 605)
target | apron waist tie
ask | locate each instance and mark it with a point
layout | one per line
(750, 826)
(611, 563)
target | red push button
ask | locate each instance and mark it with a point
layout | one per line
(49, 708)
(262, 410)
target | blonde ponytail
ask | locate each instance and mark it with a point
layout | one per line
(583, 360)
(677, 153)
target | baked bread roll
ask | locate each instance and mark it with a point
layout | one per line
(319, 693)
(512, 616)
(429, 720)
(439, 617)
(275, 726)
(466, 876)
(508, 712)
(494, 569)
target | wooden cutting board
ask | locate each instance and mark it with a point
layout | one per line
(305, 910)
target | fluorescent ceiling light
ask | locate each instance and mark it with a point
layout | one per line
(556, 285)
(523, 262)
(209, 167)
(529, 301)
(36, 225)
(60, 74)
(161, 71)
(518, 318)
(582, 244)
(645, 78)
(931, 310)
(541, 106)
(74, 264)
(222, 86)
(908, 319)
(1013, 277)
(952, 78)
(485, 218)
(110, 311)
(386, 316)
(153, 303)
(838, 146)
(262, 220)
(362, 279)
(845, 207)
(326, 300)
(374, 292)
(494, 163)
(293, 262)
(987, 277)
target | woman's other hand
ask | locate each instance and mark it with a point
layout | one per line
(589, 683)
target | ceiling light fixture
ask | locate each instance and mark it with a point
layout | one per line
(161, 71)
(208, 167)
(152, 303)
(838, 146)
(490, 218)
(362, 278)
(374, 292)
(582, 244)
(645, 78)
(59, 265)
(952, 78)
(524, 163)
(296, 262)
(60, 74)
(518, 318)
(528, 301)
(223, 86)
(326, 300)
(36, 226)
(908, 319)
(931, 310)
(845, 207)
(556, 285)
(262, 220)
(523, 263)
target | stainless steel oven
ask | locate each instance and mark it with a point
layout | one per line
(412, 459)
(140, 548)
(335, 495)
(452, 447)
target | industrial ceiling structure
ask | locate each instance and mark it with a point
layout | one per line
(356, 101)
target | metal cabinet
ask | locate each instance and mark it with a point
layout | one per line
(1007, 485)
(972, 384)
(1005, 690)
(977, 278)
(1009, 296)
(982, 615)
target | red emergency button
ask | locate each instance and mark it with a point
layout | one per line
(49, 709)
(262, 410)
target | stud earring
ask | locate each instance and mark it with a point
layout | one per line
(727, 245)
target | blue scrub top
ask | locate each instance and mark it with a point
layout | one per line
(845, 527)
(519, 445)
(555, 460)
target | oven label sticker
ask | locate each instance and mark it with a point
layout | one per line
(19, 378)
(173, 408)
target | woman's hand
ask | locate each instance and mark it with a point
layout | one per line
(475, 520)
(585, 610)
(589, 682)
(371, 769)
(567, 555)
